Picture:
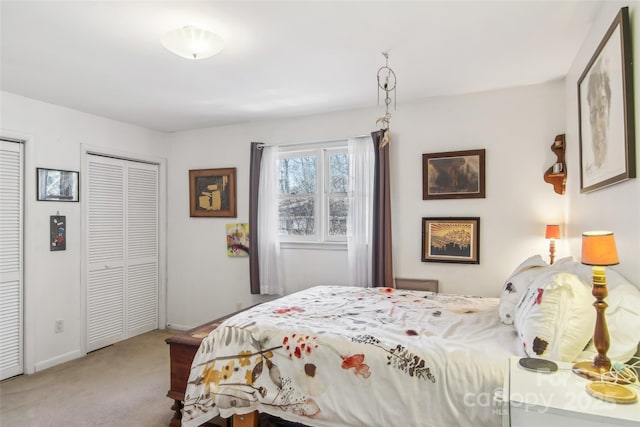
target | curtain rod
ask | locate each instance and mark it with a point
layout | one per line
(329, 141)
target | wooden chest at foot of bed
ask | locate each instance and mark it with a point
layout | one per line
(182, 349)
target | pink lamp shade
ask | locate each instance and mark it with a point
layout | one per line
(599, 248)
(552, 232)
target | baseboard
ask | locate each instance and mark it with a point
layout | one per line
(41, 366)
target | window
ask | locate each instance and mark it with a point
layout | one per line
(313, 194)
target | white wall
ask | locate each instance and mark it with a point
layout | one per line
(52, 279)
(515, 126)
(615, 208)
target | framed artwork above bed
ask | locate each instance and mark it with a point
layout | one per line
(453, 175)
(606, 110)
(451, 240)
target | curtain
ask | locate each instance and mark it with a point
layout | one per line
(268, 225)
(360, 210)
(254, 187)
(382, 268)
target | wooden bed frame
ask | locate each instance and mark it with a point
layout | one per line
(182, 349)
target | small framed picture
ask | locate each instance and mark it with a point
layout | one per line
(58, 233)
(453, 175)
(57, 185)
(212, 192)
(238, 240)
(451, 240)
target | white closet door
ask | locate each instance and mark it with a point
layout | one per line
(11, 190)
(122, 242)
(142, 248)
(106, 252)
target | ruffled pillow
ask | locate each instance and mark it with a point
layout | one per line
(555, 318)
(517, 284)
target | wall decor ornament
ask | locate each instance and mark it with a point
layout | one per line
(451, 240)
(387, 83)
(57, 233)
(212, 192)
(57, 185)
(453, 175)
(606, 110)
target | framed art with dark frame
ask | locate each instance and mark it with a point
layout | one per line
(451, 240)
(606, 110)
(55, 185)
(212, 192)
(453, 175)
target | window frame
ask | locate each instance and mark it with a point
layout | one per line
(321, 238)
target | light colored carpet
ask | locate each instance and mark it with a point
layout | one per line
(121, 385)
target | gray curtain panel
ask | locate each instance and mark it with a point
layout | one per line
(254, 184)
(381, 239)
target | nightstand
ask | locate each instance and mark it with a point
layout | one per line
(559, 399)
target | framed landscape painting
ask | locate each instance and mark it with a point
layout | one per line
(453, 175)
(451, 240)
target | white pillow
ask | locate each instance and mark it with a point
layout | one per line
(517, 284)
(555, 318)
(585, 272)
(623, 322)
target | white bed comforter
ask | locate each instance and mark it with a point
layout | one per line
(346, 356)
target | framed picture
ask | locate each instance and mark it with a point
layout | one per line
(57, 233)
(57, 185)
(451, 240)
(453, 175)
(212, 192)
(238, 240)
(606, 111)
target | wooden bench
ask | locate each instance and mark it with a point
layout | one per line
(182, 349)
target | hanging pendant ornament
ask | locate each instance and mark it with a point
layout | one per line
(386, 82)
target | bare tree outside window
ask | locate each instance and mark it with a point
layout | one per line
(313, 194)
(297, 195)
(338, 185)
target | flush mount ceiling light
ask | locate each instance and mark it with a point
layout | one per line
(192, 42)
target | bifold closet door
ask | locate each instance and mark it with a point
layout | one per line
(11, 276)
(122, 244)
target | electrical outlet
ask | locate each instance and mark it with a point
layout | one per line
(59, 326)
(238, 306)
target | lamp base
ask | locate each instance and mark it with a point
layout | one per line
(587, 370)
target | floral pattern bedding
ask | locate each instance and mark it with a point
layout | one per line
(347, 356)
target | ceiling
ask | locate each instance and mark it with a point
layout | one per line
(281, 59)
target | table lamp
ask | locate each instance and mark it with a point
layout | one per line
(552, 232)
(598, 250)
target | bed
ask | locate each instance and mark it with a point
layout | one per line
(348, 356)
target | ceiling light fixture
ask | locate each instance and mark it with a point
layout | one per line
(192, 42)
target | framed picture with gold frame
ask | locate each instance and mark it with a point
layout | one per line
(212, 192)
(451, 240)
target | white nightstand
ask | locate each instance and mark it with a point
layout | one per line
(559, 399)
